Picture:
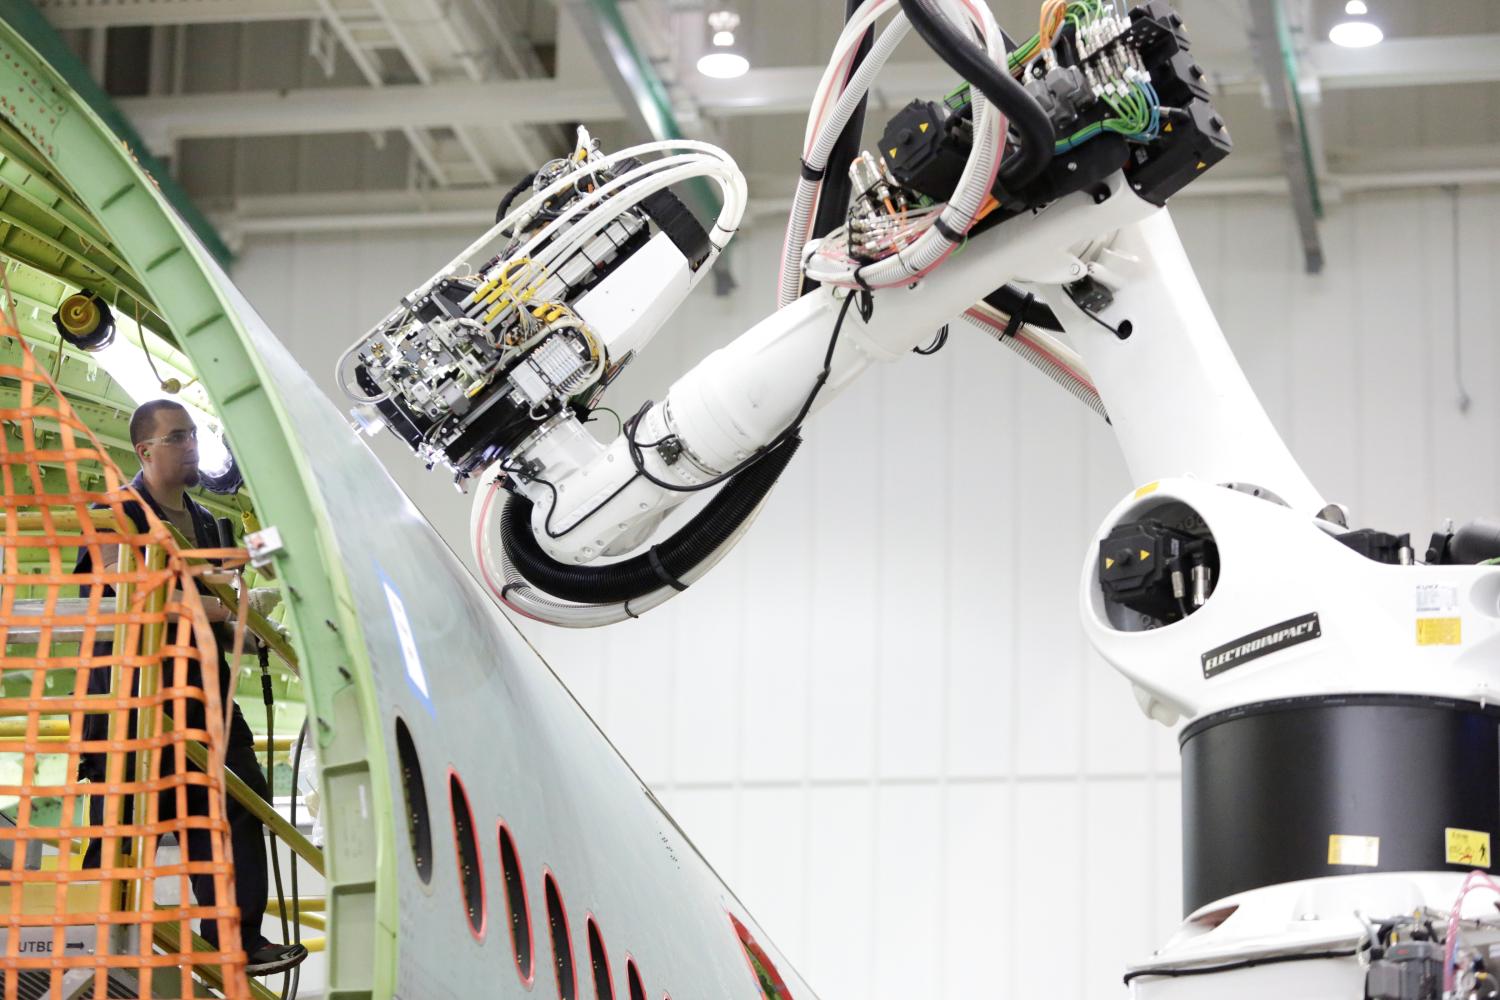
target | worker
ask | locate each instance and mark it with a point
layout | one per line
(166, 441)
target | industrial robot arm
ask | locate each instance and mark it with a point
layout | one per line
(1046, 166)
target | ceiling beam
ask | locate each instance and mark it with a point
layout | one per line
(319, 110)
(780, 90)
(121, 13)
(1270, 43)
(23, 19)
(637, 85)
(1408, 62)
(1396, 62)
(473, 209)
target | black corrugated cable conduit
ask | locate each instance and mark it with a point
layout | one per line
(673, 218)
(639, 575)
(972, 63)
(510, 196)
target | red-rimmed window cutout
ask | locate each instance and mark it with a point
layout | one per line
(515, 899)
(633, 980)
(470, 874)
(414, 792)
(562, 941)
(771, 985)
(604, 984)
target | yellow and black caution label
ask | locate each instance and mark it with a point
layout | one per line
(1345, 849)
(1467, 847)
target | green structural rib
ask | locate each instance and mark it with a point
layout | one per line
(111, 227)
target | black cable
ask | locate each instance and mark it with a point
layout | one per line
(292, 818)
(1249, 963)
(269, 698)
(551, 488)
(604, 409)
(674, 559)
(972, 63)
(1122, 331)
(936, 345)
(636, 447)
(510, 196)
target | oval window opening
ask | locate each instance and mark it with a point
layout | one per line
(562, 943)
(766, 975)
(414, 795)
(470, 878)
(633, 978)
(604, 987)
(515, 899)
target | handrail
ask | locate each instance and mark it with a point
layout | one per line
(66, 519)
(104, 519)
(256, 622)
(261, 810)
(307, 904)
(165, 933)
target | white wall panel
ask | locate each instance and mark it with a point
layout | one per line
(980, 908)
(909, 887)
(840, 888)
(877, 717)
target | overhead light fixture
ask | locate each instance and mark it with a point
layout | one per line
(1356, 33)
(723, 61)
(85, 322)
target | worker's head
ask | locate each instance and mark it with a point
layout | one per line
(166, 441)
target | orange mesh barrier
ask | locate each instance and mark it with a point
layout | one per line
(65, 924)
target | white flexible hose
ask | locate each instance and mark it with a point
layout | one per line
(965, 204)
(728, 220)
(617, 197)
(622, 193)
(819, 147)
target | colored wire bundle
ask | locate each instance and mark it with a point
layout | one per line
(1137, 116)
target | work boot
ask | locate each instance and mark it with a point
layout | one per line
(269, 959)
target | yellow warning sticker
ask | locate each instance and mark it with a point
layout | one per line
(1109, 563)
(1439, 631)
(1467, 847)
(922, 128)
(1344, 849)
(1144, 555)
(1144, 490)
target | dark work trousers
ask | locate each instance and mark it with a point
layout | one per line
(247, 839)
(247, 836)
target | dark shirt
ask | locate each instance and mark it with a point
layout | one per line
(96, 725)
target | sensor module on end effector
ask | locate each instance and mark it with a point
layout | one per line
(526, 328)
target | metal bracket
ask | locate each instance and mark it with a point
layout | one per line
(263, 544)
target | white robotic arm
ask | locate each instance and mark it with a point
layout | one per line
(1341, 748)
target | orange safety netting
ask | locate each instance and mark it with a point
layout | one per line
(64, 924)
